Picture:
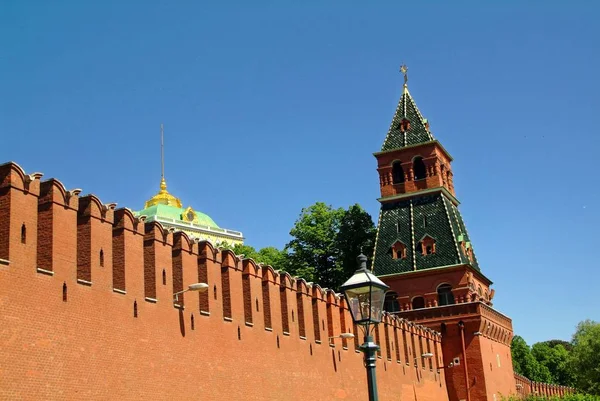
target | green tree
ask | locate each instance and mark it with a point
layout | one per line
(324, 246)
(248, 251)
(273, 257)
(556, 358)
(525, 363)
(269, 255)
(553, 343)
(326, 242)
(356, 234)
(585, 360)
(312, 251)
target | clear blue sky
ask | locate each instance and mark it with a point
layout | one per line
(271, 106)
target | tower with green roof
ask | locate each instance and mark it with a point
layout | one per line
(421, 231)
(169, 211)
(424, 253)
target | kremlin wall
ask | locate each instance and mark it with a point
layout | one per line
(88, 313)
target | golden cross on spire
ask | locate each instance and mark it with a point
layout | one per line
(404, 70)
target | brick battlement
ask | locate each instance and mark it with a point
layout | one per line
(526, 387)
(87, 289)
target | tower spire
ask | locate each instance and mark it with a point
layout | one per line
(163, 197)
(408, 126)
(162, 152)
(163, 182)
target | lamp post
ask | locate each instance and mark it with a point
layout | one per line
(365, 295)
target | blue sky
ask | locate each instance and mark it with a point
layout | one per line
(271, 106)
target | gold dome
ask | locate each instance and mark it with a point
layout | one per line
(163, 197)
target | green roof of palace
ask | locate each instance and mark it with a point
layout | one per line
(418, 131)
(176, 213)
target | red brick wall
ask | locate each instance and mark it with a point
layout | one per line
(487, 335)
(92, 347)
(497, 367)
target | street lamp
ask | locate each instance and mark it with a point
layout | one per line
(343, 336)
(427, 355)
(200, 287)
(365, 295)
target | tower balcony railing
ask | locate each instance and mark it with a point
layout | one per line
(463, 310)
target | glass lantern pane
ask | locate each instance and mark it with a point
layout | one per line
(358, 303)
(377, 300)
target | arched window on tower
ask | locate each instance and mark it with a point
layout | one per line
(404, 125)
(467, 249)
(419, 170)
(426, 246)
(445, 295)
(391, 302)
(397, 173)
(398, 250)
(418, 303)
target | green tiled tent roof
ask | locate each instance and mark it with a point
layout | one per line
(418, 131)
(409, 221)
(172, 212)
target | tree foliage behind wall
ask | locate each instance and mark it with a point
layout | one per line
(268, 256)
(585, 361)
(526, 364)
(324, 246)
(326, 241)
(568, 397)
(312, 251)
(575, 363)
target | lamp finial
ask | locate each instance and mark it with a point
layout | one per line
(362, 261)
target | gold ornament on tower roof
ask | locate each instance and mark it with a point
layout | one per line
(404, 70)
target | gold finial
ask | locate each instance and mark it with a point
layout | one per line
(404, 70)
(163, 197)
(163, 182)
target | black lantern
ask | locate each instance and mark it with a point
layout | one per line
(365, 295)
